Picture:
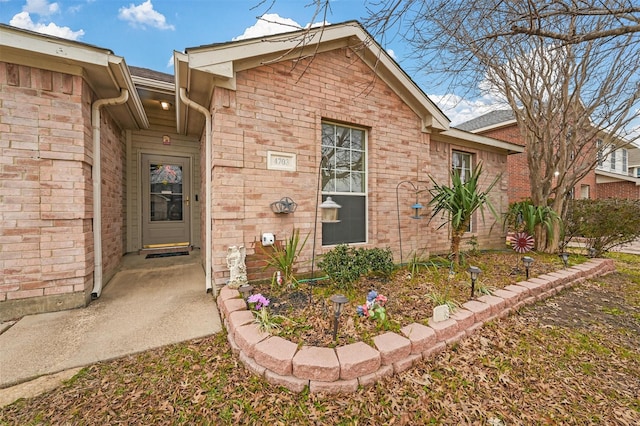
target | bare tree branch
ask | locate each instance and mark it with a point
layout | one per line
(567, 68)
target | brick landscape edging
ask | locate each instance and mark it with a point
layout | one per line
(344, 368)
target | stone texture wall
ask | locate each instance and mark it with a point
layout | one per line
(280, 107)
(46, 249)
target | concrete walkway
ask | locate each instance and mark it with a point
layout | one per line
(148, 304)
(632, 248)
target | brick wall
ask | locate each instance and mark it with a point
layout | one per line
(519, 187)
(46, 260)
(280, 107)
(628, 190)
(113, 194)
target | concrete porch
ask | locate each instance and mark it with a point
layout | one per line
(148, 303)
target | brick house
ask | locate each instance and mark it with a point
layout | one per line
(614, 176)
(197, 160)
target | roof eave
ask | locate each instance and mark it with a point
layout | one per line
(107, 74)
(200, 69)
(454, 135)
(617, 176)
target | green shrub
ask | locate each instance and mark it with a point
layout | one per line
(379, 261)
(605, 224)
(344, 265)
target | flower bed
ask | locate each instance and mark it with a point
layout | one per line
(344, 368)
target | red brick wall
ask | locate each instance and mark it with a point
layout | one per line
(519, 187)
(46, 241)
(628, 190)
(278, 107)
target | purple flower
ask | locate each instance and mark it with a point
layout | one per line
(371, 296)
(259, 300)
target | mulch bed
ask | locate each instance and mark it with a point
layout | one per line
(308, 312)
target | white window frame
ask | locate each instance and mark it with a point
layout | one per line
(612, 160)
(463, 176)
(365, 191)
(600, 152)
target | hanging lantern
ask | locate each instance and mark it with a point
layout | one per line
(329, 210)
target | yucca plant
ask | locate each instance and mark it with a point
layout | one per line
(283, 258)
(524, 216)
(457, 203)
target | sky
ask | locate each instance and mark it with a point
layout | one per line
(146, 32)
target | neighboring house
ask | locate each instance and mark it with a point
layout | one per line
(611, 178)
(634, 162)
(199, 159)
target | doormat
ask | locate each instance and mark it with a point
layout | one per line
(176, 253)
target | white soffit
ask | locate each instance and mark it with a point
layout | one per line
(103, 71)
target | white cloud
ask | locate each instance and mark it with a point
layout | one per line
(23, 20)
(143, 15)
(170, 62)
(391, 53)
(460, 110)
(268, 24)
(41, 7)
(272, 23)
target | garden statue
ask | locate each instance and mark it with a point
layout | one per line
(236, 265)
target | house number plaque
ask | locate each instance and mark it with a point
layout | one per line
(281, 161)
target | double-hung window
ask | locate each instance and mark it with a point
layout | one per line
(612, 159)
(344, 179)
(624, 161)
(461, 164)
(600, 153)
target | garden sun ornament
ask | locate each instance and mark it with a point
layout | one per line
(521, 243)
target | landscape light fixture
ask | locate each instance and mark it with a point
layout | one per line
(417, 207)
(592, 252)
(474, 271)
(565, 258)
(527, 264)
(338, 300)
(245, 290)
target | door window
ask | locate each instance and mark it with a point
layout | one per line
(165, 192)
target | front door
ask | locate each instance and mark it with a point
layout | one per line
(165, 201)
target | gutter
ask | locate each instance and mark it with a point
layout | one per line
(96, 175)
(208, 166)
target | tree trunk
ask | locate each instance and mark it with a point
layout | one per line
(553, 241)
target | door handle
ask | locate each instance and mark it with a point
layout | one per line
(187, 201)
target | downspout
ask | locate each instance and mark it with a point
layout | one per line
(97, 188)
(208, 165)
